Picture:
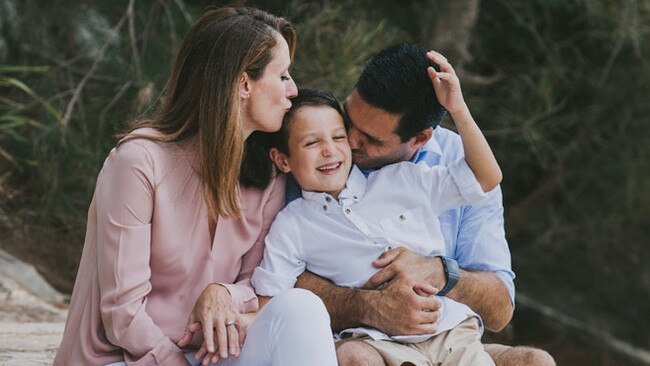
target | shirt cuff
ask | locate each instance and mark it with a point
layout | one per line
(165, 353)
(465, 180)
(270, 284)
(510, 285)
(243, 297)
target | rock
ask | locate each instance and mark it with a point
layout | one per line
(31, 326)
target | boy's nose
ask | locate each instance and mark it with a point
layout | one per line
(327, 149)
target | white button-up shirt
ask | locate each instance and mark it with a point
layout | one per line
(338, 239)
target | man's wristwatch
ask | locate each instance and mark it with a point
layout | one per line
(452, 274)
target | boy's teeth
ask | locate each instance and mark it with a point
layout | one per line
(329, 167)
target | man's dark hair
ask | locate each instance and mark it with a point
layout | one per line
(306, 97)
(396, 81)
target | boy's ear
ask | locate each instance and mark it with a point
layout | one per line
(280, 160)
(245, 83)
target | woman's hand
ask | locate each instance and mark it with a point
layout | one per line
(214, 313)
(245, 321)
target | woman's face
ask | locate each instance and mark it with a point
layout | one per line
(267, 99)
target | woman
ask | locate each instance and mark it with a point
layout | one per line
(180, 211)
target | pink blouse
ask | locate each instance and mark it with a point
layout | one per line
(148, 256)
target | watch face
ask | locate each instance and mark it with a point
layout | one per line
(452, 267)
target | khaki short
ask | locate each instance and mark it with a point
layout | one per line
(458, 346)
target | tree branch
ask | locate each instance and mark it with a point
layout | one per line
(77, 92)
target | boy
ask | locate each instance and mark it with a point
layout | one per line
(344, 220)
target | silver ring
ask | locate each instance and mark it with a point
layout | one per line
(230, 323)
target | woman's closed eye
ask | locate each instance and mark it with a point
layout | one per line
(285, 78)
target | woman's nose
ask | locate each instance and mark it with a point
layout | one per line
(292, 89)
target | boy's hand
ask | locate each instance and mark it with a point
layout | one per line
(446, 84)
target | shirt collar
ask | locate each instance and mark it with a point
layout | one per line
(431, 147)
(354, 189)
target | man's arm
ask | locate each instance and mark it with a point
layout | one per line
(342, 303)
(494, 306)
(395, 309)
(483, 292)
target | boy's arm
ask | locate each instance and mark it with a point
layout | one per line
(283, 259)
(478, 154)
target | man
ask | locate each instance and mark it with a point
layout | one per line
(393, 115)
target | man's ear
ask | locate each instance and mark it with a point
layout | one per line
(245, 86)
(422, 137)
(280, 160)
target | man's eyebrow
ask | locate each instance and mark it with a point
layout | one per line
(348, 122)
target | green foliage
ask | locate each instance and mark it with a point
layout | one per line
(58, 122)
(569, 124)
(331, 49)
(16, 123)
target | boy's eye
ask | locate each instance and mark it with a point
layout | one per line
(310, 142)
(340, 137)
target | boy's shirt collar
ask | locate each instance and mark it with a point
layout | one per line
(355, 187)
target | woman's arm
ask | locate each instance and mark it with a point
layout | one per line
(220, 304)
(242, 291)
(124, 202)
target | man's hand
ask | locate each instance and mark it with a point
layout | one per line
(408, 266)
(403, 308)
(214, 313)
(403, 289)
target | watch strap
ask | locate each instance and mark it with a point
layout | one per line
(452, 274)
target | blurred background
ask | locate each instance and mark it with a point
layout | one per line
(561, 89)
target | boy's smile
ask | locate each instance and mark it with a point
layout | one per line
(319, 153)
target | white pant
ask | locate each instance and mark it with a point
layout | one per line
(292, 329)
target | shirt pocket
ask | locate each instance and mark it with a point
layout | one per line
(413, 229)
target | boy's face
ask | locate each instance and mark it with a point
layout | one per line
(319, 153)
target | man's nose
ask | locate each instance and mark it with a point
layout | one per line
(354, 138)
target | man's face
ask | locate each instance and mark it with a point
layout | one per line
(372, 137)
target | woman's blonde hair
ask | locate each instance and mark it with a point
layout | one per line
(201, 96)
